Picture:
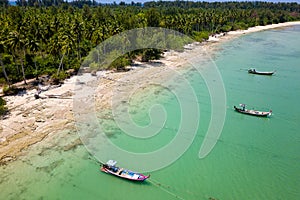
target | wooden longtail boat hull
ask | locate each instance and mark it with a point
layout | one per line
(251, 71)
(124, 173)
(253, 112)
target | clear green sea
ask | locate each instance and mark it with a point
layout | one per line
(254, 158)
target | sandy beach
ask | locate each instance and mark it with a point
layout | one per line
(32, 120)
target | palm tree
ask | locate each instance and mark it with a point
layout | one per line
(2, 50)
(77, 32)
(16, 42)
(33, 46)
(67, 43)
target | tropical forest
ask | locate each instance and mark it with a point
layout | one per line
(53, 37)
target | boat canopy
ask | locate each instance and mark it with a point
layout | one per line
(111, 163)
(242, 105)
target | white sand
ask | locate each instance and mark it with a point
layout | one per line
(230, 34)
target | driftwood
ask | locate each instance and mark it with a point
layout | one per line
(55, 96)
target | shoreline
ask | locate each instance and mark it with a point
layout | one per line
(233, 34)
(32, 120)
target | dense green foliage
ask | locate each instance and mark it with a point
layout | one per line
(39, 2)
(3, 108)
(225, 5)
(38, 38)
(3, 2)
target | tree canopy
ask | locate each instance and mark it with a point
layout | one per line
(48, 37)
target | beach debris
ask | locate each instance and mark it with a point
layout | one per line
(40, 120)
(43, 88)
(94, 73)
(59, 96)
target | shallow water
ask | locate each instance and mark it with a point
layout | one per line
(255, 158)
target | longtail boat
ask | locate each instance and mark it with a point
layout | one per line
(252, 112)
(110, 168)
(253, 71)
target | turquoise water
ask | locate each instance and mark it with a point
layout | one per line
(255, 158)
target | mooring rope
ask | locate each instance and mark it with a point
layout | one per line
(160, 186)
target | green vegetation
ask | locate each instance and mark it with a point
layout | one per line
(10, 90)
(3, 109)
(51, 37)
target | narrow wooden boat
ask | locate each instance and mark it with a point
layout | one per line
(110, 168)
(253, 71)
(252, 112)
